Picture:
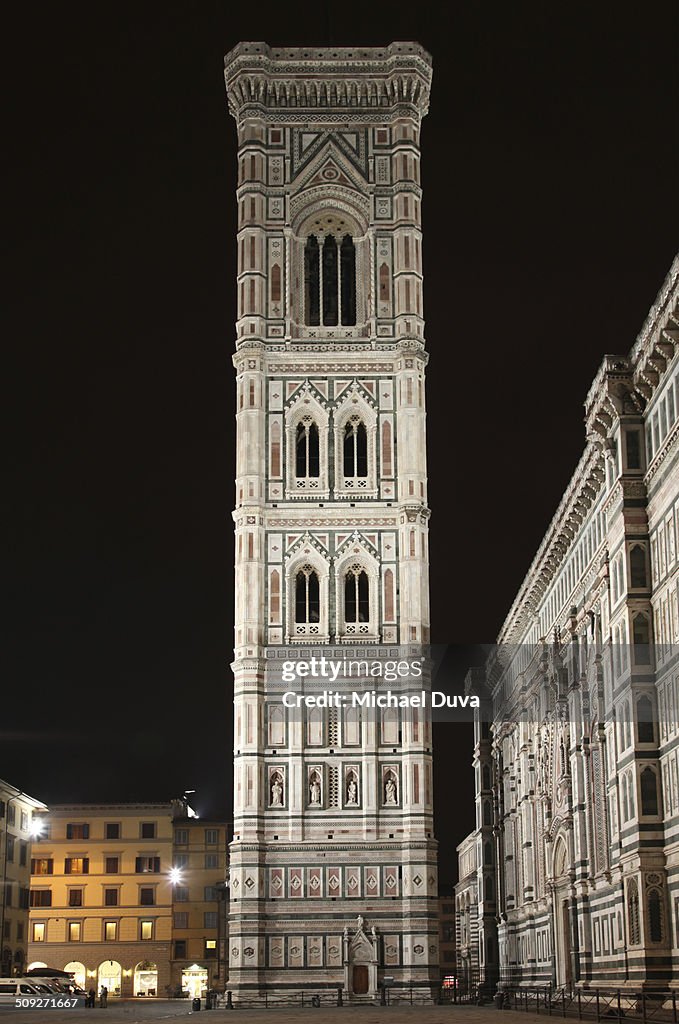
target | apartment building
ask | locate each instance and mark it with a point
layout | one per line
(17, 826)
(105, 881)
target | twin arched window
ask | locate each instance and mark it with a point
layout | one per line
(307, 599)
(330, 281)
(354, 452)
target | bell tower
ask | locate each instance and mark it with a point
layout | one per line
(333, 862)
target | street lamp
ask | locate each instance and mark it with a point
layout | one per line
(175, 876)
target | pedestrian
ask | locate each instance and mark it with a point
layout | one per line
(103, 996)
(91, 997)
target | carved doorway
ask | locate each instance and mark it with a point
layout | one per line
(563, 953)
(359, 979)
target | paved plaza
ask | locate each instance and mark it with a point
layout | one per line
(133, 1011)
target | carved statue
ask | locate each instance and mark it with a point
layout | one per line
(276, 791)
(315, 790)
(352, 791)
(390, 790)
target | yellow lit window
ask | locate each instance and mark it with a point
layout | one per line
(147, 929)
(74, 931)
(39, 931)
(210, 943)
(110, 931)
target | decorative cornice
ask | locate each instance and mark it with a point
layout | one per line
(298, 82)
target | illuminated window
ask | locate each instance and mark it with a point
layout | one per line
(145, 930)
(111, 865)
(42, 866)
(112, 830)
(111, 931)
(78, 831)
(147, 864)
(75, 898)
(148, 830)
(74, 931)
(110, 897)
(210, 947)
(76, 865)
(38, 931)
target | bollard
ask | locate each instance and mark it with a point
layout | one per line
(229, 1001)
(339, 995)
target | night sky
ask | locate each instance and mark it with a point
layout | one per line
(550, 220)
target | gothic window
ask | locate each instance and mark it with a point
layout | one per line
(637, 560)
(307, 597)
(356, 596)
(641, 639)
(649, 791)
(645, 731)
(384, 283)
(276, 283)
(307, 459)
(633, 913)
(355, 448)
(330, 281)
(655, 916)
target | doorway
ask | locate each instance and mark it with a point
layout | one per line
(359, 979)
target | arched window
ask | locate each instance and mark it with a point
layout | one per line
(655, 916)
(312, 282)
(348, 280)
(645, 730)
(356, 596)
(641, 639)
(649, 791)
(355, 448)
(307, 597)
(637, 562)
(307, 461)
(330, 281)
(633, 913)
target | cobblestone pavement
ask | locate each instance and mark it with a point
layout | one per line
(143, 1012)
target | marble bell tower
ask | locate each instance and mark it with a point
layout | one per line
(333, 875)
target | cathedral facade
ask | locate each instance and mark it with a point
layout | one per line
(577, 793)
(333, 877)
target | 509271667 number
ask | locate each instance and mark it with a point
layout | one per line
(45, 1002)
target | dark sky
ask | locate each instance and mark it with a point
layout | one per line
(550, 219)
